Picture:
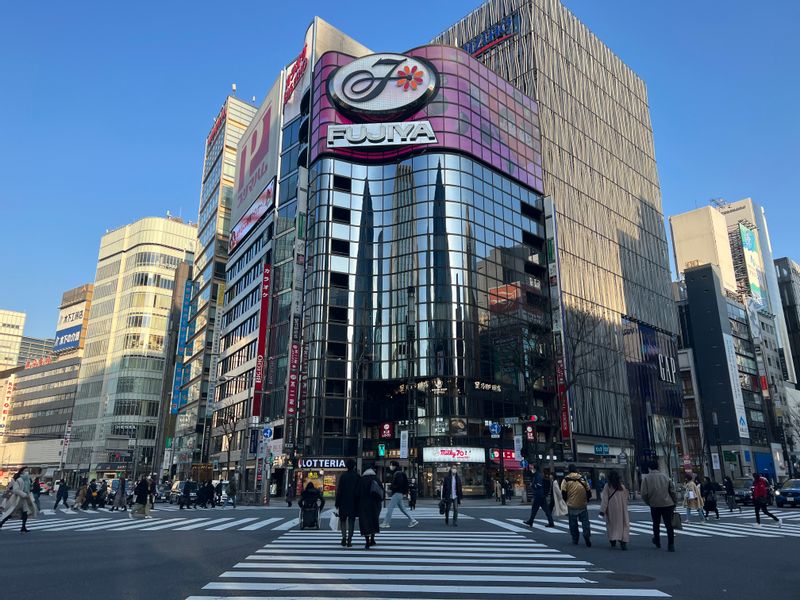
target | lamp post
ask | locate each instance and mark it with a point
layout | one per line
(715, 421)
(411, 324)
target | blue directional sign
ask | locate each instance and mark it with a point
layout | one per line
(268, 432)
(494, 428)
(523, 463)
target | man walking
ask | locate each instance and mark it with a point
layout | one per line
(760, 499)
(577, 492)
(399, 488)
(120, 496)
(347, 502)
(730, 494)
(62, 494)
(451, 494)
(658, 492)
(539, 495)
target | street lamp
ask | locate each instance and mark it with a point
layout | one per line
(411, 325)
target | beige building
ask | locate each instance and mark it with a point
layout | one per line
(117, 405)
(12, 324)
(700, 237)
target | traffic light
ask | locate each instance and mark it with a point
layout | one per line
(533, 418)
(382, 450)
(271, 458)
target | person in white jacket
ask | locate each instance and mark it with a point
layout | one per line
(18, 499)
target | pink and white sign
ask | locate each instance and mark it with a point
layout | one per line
(453, 454)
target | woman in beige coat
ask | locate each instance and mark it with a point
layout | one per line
(614, 508)
(692, 499)
(18, 500)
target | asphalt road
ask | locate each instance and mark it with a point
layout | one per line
(257, 553)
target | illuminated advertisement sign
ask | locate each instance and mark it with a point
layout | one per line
(181, 376)
(254, 214)
(261, 346)
(496, 34)
(68, 339)
(755, 267)
(295, 73)
(257, 156)
(69, 327)
(371, 135)
(738, 397)
(453, 454)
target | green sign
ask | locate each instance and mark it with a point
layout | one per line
(381, 449)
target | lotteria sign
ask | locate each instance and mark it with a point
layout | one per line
(453, 454)
(382, 86)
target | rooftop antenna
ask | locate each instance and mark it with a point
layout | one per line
(233, 88)
(254, 100)
(718, 202)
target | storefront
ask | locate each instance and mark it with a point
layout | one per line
(323, 472)
(512, 471)
(471, 464)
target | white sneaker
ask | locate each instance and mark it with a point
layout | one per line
(758, 524)
(780, 523)
(413, 523)
(385, 525)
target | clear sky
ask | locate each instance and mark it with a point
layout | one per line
(106, 106)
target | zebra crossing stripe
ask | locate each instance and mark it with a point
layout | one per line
(508, 526)
(260, 524)
(232, 524)
(272, 575)
(563, 559)
(73, 525)
(148, 525)
(290, 566)
(52, 524)
(293, 522)
(198, 524)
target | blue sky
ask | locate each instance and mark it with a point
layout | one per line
(106, 107)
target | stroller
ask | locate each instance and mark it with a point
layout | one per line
(311, 504)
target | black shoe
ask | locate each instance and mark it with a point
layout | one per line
(455, 524)
(574, 541)
(588, 542)
(344, 542)
(623, 545)
(656, 542)
(24, 530)
(550, 525)
(671, 548)
(613, 543)
(528, 523)
(349, 543)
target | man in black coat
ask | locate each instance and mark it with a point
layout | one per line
(369, 497)
(452, 494)
(347, 502)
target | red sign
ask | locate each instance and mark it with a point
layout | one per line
(252, 157)
(507, 455)
(563, 399)
(386, 431)
(261, 347)
(764, 384)
(293, 78)
(253, 215)
(38, 362)
(530, 432)
(217, 125)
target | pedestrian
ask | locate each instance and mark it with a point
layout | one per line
(539, 497)
(369, 497)
(92, 495)
(347, 502)
(18, 500)
(311, 504)
(210, 494)
(658, 492)
(232, 493)
(102, 493)
(413, 492)
(398, 488)
(730, 494)
(614, 508)
(121, 495)
(200, 497)
(80, 497)
(36, 491)
(141, 492)
(62, 495)
(149, 482)
(290, 493)
(760, 499)
(452, 494)
(152, 493)
(709, 491)
(498, 490)
(577, 493)
(508, 488)
(692, 499)
(218, 493)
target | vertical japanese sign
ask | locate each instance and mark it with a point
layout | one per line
(211, 403)
(179, 397)
(261, 345)
(557, 310)
(65, 443)
(8, 398)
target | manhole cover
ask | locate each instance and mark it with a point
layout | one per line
(630, 577)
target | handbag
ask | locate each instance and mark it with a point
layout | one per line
(442, 507)
(676, 521)
(690, 495)
(334, 521)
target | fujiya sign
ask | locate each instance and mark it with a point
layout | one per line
(383, 85)
(380, 134)
(453, 454)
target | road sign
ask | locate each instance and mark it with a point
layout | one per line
(268, 432)
(601, 449)
(511, 420)
(494, 429)
(622, 458)
(523, 463)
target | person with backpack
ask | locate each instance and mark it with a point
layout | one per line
(658, 492)
(539, 496)
(369, 496)
(399, 488)
(452, 494)
(413, 493)
(761, 498)
(577, 494)
(614, 509)
(709, 491)
(92, 495)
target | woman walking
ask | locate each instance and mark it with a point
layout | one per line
(80, 497)
(370, 495)
(36, 490)
(18, 500)
(141, 492)
(614, 508)
(692, 499)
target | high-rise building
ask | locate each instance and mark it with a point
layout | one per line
(788, 273)
(39, 426)
(116, 413)
(700, 237)
(12, 324)
(32, 348)
(199, 370)
(599, 170)
(747, 222)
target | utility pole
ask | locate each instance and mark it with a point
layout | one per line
(411, 324)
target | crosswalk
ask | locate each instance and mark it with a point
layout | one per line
(711, 528)
(410, 564)
(80, 523)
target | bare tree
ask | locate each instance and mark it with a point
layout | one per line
(228, 429)
(664, 439)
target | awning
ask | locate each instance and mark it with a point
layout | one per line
(507, 465)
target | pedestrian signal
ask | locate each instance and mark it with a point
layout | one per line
(381, 449)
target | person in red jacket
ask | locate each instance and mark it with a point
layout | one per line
(760, 497)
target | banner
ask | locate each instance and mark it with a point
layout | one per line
(404, 443)
(261, 345)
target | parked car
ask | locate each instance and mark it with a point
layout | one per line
(789, 493)
(177, 491)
